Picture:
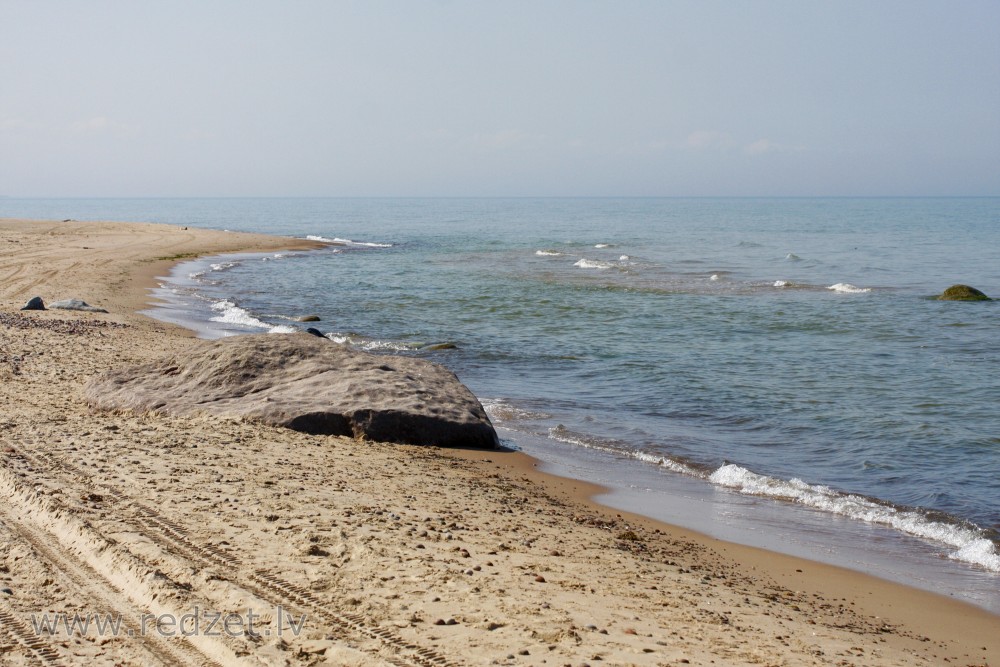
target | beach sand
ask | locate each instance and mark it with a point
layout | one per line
(366, 553)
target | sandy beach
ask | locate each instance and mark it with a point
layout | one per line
(293, 549)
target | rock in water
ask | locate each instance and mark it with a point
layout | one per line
(307, 384)
(308, 318)
(963, 293)
(34, 303)
(76, 304)
(440, 346)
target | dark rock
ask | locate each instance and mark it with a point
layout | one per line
(310, 385)
(963, 293)
(440, 346)
(315, 332)
(308, 318)
(76, 304)
(34, 303)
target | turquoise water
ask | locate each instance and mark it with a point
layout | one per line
(782, 348)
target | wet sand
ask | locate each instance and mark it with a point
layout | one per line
(366, 553)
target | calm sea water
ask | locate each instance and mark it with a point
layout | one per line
(782, 348)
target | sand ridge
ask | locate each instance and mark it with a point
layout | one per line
(365, 553)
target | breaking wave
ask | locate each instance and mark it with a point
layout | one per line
(347, 242)
(970, 544)
(848, 288)
(230, 313)
(593, 264)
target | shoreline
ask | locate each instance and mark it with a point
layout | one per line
(798, 595)
(690, 501)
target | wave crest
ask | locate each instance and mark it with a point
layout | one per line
(847, 288)
(970, 544)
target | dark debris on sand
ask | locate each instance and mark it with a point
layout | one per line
(16, 321)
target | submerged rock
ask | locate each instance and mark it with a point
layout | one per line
(307, 384)
(76, 304)
(34, 303)
(963, 293)
(440, 346)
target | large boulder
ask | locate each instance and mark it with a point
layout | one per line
(308, 384)
(962, 293)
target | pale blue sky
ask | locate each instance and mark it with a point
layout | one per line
(673, 98)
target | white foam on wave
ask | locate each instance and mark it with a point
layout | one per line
(499, 411)
(847, 288)
(548, 253)
(371, 344)
(624, 258)
(782, 283)
(224, 266)
(969, 544)
(349, 242)
(377, 345)
(561, 434)
(592, 264)
(792, 257)
(604, 245)
(213, 268)
(230, 313)
(714, 276)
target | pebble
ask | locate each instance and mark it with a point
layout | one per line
(6, 591)
(15, 321)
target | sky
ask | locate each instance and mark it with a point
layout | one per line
(104, 98)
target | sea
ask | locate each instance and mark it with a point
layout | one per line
(775, 372)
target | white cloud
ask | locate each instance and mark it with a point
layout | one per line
(506, 139)
(708, 140)
(104, 125)
(762, 146)
(16, 124)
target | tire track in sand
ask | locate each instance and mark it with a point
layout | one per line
(107, 601)
(265, 585)
(17, 631)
